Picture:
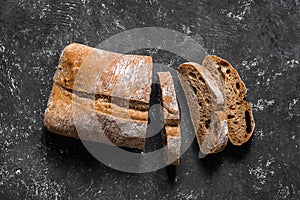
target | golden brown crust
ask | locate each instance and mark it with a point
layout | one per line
(61, 118)
(171, 134)
(70, 62)
(239, 113)
(110, 99)
(101, 72)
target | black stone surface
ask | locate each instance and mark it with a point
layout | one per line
(260, 38)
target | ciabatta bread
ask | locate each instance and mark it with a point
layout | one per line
(99, 93)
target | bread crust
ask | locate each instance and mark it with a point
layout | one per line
(79, 64)
(171, 133)
(239, 113)
(91, 101)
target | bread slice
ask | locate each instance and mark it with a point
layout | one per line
(207, 107)
(171, 133)
(238, 111)
(100, 93)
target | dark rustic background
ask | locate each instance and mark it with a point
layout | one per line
(261, 38)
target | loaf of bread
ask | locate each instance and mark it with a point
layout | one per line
(102, 94)
(207, 107)
(171, 132)
(238, 111)
(104, 97)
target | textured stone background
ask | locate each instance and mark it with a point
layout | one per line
(260, 38)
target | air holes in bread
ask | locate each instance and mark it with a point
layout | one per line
(207, 101)
(193, 75)
(230, 116)
(248, 122)
(194, 88)
(201, 80)
(207, 123)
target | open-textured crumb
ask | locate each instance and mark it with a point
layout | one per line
(238, 111)
(206, 104)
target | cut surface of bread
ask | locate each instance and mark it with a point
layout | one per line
(238, 111)
(207, 107)
(100, 93)
(171, 133)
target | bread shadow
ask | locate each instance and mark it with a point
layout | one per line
(171, 173)
(212, 163)
(234, 153)
(75, 149)
(67, 146)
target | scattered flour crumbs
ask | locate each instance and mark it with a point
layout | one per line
(261, 172)
(262, 104)
(293, 109)
(260, 134)
(293, 63)
(2, 48)
(187, 194)
(241, 13)
(186, 29)
(293, 103)
(265, 77)
(284, 191)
